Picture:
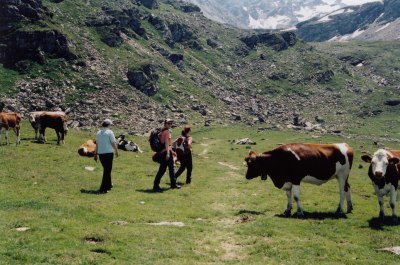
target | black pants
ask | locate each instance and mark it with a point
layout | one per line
(106, 161)
(163, 167)
(186, 163)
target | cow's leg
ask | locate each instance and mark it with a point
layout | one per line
(288, 210)
(62, 137)
(17, 132)
(342, 184)
(36, 134)
(348, 197)
(7, 142)
(393, 197)
(58, 137)
(380, 200)
(296, 194)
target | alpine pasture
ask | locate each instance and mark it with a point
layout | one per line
(221, 218)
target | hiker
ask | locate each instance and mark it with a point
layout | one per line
(105, 148)
(165, 158)
(184, 154)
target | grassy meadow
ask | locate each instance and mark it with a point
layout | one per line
(224, 218)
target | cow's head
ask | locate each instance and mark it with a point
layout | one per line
(380, 162)
(254, 169)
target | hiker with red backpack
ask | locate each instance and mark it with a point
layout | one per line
(183, 149)
(160, 142)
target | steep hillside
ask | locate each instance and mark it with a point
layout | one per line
(139, 61)
(373, 21)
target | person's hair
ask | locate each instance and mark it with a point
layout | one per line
(186, 130)
(104, 124)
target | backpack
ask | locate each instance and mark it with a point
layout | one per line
(154, 140)
(181, 145)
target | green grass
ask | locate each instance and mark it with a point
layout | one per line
(228, 220)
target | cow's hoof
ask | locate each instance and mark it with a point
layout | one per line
(287, 213)
(381, 215)
(298, 215)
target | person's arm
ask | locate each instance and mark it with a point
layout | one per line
(96, 151)
(190, 142)
(166, 144)
(114, 144)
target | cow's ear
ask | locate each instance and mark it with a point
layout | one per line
(393, 160)
(366, 158)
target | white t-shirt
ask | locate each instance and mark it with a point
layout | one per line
(104, 138)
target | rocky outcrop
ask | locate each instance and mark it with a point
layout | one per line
(24, 11)
(18, 45)
(189, 8)
(151, 4)
(144, 79)
(111, 23)
(35, 46)
(278, 41)
(172, 32)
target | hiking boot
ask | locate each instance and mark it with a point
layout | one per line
(176, 186)
(157, 189)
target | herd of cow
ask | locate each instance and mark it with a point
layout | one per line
(40, 120)
(288, 165)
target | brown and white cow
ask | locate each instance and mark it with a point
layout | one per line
(290, 164)
(10, 120)
(34, 119)
(54, 121)
(384, 173)
(88, 148)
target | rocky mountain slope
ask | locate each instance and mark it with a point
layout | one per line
(372, 21)
(140, 61)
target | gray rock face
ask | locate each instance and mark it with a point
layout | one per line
(35, 46)
(144, 79)
(17, 45)
(279, 41)
(111, 23)
(151, 4)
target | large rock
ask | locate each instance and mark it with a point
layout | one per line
(34, 46)
(151, 4)
(278, 41)
(144, 79)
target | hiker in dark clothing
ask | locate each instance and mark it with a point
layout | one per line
(165, 158)
(184, 153)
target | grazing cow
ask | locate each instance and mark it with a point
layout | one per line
(127, 145)
(290, 164)
(34, 119)
(88, 148)
(10, 120)
(54, 121)
(384, 173)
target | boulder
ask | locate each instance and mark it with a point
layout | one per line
(150, 4)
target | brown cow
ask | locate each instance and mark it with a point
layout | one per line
(54, 121)
(10, 120)
(34, 119)
(88, 148)
(290, 164)
(384, 172)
